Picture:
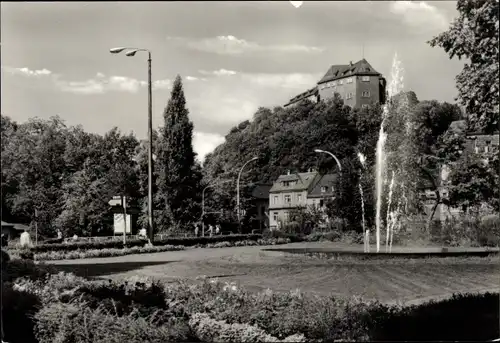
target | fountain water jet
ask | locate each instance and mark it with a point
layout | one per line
(388, 220)
(362, 160)
(395, 86)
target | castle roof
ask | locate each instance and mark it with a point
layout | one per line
(339, 71)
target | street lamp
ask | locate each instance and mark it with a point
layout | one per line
(130, 53)
(203, 203)
(238, 192)
(329, 153)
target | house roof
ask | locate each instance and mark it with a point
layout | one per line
(339, 71)
(327, 180)
(304, 95)
(303, 182)
(261, 191)
(19, 227)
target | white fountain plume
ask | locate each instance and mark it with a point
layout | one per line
(394, 88)
(396, 219)
(362, 160)
(388, 222)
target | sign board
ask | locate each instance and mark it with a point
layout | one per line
(119, 223)
(117, 201)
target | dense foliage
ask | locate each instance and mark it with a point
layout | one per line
(178, 174)
(64, 308)
(474, 35)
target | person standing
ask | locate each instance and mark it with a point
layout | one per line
(217, 229)
(196, 229)
(210, 229)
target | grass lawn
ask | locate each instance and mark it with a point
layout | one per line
(411, 281)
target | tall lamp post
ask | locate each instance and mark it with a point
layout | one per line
(130, 53)
(203, 203)
(238, 192)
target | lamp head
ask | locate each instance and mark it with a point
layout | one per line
(116, 50)
(131, 53)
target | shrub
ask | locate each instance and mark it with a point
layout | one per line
(18, 309)
(116, 244)
(489, 230)
(27, 268)
(464, 317)
(211, 330)
(77, 323)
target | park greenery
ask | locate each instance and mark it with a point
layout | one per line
(61, 176)
(52, 306)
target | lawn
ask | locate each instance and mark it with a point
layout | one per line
(411, 281)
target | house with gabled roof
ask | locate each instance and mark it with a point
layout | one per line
(358, 84)
(298, 190)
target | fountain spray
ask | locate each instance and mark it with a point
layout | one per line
(395, 86)
(388, 221)
(362, 160)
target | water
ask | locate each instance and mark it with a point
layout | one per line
(390, 215)
(395, 86)
(362, 160)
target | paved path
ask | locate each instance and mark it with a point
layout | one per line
(389, 281)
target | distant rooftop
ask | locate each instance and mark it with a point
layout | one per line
(339, 71)
(302, 181)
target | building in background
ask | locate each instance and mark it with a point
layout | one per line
(358, 84)
(260, 196)
(298, 190)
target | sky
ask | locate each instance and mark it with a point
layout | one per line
(233, 57)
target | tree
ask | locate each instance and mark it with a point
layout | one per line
(178, 173)
(474, 35)
(33, 163)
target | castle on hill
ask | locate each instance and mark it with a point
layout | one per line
(359, 85)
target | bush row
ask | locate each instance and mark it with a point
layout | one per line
(95, 253)
(138, 310)
(115, 244)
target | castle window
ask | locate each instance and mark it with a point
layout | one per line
(365, 94)
(288, 199)
(365, 78)
(349, 96)
(349, 80)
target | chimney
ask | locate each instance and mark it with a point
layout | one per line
(350, 63)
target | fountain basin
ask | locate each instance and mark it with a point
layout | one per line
(397, 253)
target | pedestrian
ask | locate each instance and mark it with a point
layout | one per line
(59, 234)
(25, 239)
(210, 229)
(196, 229)
(217, 229)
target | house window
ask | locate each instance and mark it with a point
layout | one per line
(275, 216)
(349, 80)
(340, 82)
(365, 94)
(299, 198)
(323, 189)
(321, 203)
(287, 215)
(349, 96)
(286, 183)
(365, 78)
(275, 199)
(288, 199)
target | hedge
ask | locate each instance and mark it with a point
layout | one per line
(112, 244)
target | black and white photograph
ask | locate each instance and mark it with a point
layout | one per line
(250, 171)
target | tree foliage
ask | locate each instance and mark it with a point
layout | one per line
(474, 35)
(178, 174)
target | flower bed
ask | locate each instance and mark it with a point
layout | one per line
(66, 308)
(116, 244)
(94, 253)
